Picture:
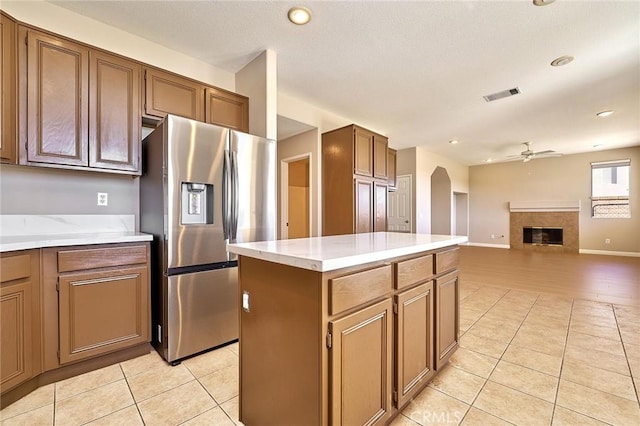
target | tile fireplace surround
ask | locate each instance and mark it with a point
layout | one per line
(561, 214)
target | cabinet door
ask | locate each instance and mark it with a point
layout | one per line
(362, 152)
(8, 90)
(380, 207)
(167, 93)
(360, 360)
(227, 109)
(102, 311)
(380, 148)
(114, 129)
(15, 310)
(363, 204)
(447, 318)
(19, 318)
(391, 168)
(57, 100)
(414, 341)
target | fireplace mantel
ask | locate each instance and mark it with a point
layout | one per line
(544, 206)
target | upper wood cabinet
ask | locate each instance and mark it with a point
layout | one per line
(83, 106)
(168, 93)
(227, 109)
(114, 122)
(362, 152)
(20, 317)
(380, 148)
(391, 168)
(8, 65)
(354, 189)
(57, 100)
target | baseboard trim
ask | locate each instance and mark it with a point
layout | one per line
(502, 246)
(610, 253)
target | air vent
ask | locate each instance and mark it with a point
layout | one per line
(499, 95)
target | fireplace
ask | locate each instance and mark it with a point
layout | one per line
(542, 236)
(544, 226)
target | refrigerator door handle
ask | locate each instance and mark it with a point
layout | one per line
(226, 194)
(235, 187)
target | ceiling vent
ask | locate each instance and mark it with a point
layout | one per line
(499, 95)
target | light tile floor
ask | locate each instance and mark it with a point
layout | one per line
(525, 359)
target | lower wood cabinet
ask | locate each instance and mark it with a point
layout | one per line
(102, 298)
(102, 311)
(414, 341)
(362, 205)
(361, 366)
(447, 317)
(346, 347)
(20, 317)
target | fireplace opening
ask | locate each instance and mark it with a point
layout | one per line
(538, 235)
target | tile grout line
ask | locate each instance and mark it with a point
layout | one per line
(626, 356)
(499, 359)
(564, 350)
(135, 403)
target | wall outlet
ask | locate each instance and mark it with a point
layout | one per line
(103, 199)
(607, 241)
(493, 236)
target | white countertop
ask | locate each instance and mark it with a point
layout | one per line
(340, 251)
(24, 242)
(22, 232)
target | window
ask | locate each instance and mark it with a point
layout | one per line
(610, 189)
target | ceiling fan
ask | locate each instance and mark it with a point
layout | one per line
(529, 154)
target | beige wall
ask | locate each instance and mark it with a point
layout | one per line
(421, 164)
(566, 178)
(258, 81)
(297, 146)
(35, 190)
(323, 121)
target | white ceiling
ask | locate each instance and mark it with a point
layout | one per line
(416, 71)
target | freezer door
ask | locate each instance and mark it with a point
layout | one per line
(202, 311)
(194, 163)
(253, 161)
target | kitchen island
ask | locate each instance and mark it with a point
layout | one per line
(343, 330)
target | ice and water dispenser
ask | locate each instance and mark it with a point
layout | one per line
(197, 203)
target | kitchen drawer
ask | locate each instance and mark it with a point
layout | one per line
(78, 260)
(355, 289)
(413, 271)
(447, 260)
(15, 267)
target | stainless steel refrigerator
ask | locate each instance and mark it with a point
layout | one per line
(202, 186)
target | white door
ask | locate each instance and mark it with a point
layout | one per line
(399, 207)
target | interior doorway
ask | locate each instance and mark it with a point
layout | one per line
(461, 206)
(399, 208)
(295, 196)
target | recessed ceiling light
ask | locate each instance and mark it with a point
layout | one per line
(604, 113)
(562, 60)
(299, 15)
(488, 160)
(542, 2)
(453, 141)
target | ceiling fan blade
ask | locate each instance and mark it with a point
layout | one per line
(544, 152)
